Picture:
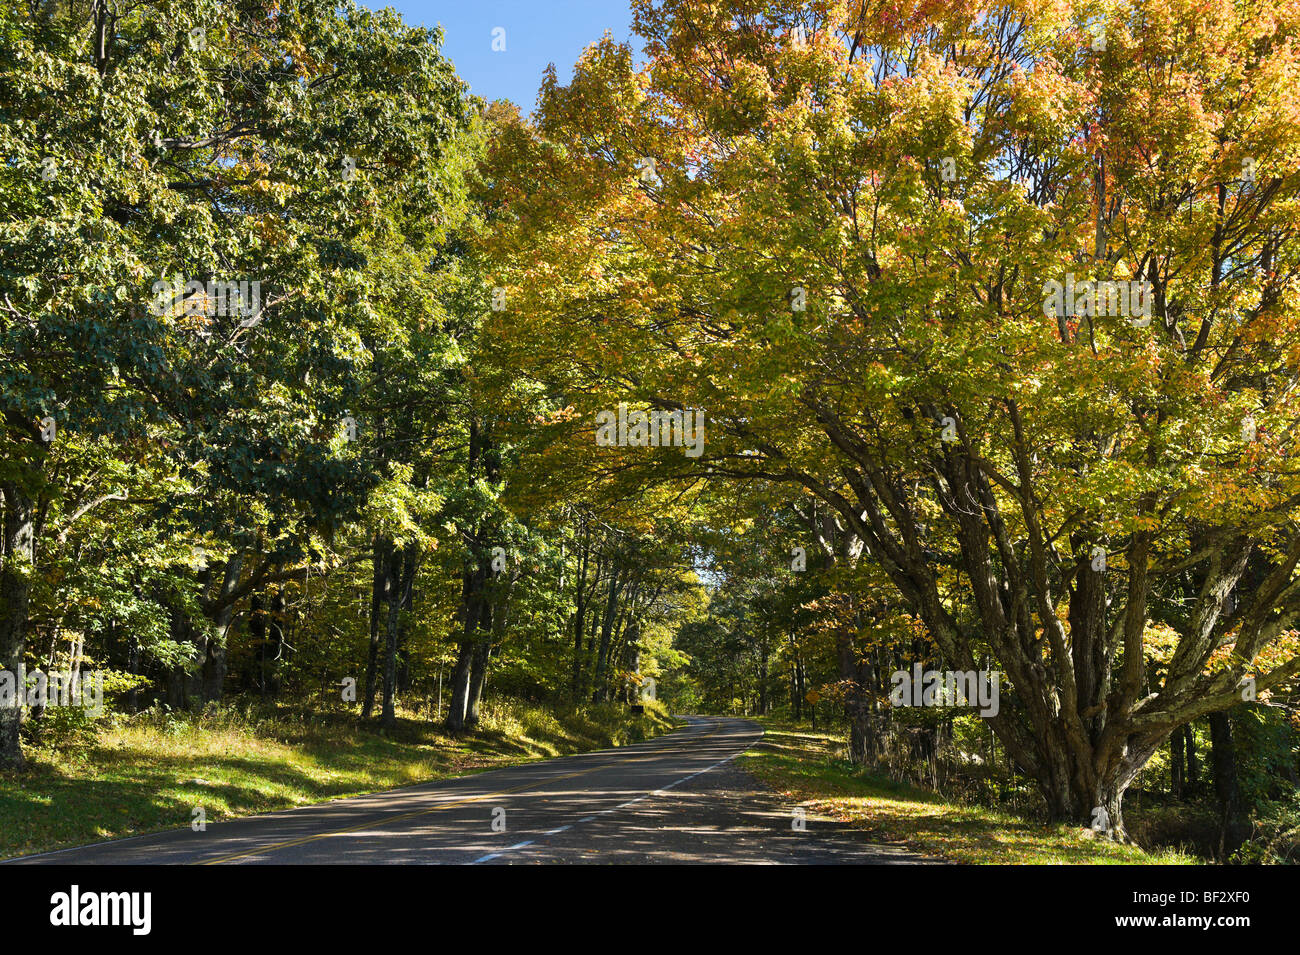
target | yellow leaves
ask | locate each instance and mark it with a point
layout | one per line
(271, 230)
(1159, 641)
(305, 64)
(1278, 652)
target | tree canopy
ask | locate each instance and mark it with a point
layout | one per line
(810, 341)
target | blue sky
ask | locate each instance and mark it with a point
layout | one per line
(537, 32)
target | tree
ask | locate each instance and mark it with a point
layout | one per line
(855, 252)
(191, 191)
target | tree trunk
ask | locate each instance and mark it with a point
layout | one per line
(400, 577)
(493, 629)
(133, 667)
(580, 616)
(388, 715)
(213, 672)
(1176, 763)
(865, 733)
(1234, 828)
(378, 581)
(800, 687)
(1077, 795)
(18, 554)
(477, 679)
(410, 564)
(575, 679)
(598, 694)
(472, 609)
(457, 706)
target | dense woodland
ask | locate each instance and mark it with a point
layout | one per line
(372, 480)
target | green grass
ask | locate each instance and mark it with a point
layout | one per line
(147, 773)
(805, 767)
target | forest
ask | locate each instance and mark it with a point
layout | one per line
(797, 348)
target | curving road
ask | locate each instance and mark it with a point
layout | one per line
(675, 799)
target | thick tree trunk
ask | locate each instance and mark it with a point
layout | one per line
(15, 589)
(1076, 797)
(213, 671)
(863, 735)
(493, 630)
(865, 731)
(473, 607)
(477, 680)
(459, 687)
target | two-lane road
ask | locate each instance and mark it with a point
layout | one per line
(678, 798)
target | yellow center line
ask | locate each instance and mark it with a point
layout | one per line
(372, 824)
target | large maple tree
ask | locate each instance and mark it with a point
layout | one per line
(833, 226)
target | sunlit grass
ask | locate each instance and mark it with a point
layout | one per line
(805, 767)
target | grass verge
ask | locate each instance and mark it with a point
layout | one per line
(806, 767)
(148, 773)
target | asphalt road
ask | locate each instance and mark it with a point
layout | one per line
(676, 799)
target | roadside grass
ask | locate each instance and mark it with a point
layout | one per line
(149, 772)
(806, 767)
